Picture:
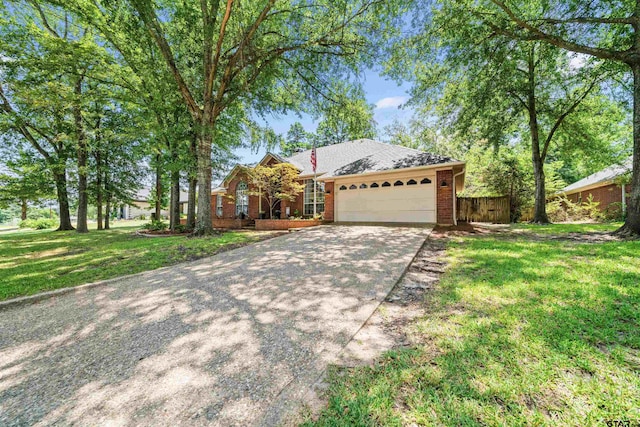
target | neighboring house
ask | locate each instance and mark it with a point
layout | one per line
(357, 181)
(140, 206)
(603, 187)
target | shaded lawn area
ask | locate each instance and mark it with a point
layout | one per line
(561, 228)
(520, 331)
(36, 261)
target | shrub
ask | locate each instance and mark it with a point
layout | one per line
(155, 226)
(181, 228)
(563, 209)
(39, 224)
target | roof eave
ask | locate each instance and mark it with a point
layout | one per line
(447, 165)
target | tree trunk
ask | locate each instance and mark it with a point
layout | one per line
(191, 205)
(175, 199)
(158, 210)
(631, 225)
(540, 206)
(82, 162)
(23, 212)
(193, 183)
(60, 179)
(107, 192)
(204, 224)
(99, 189)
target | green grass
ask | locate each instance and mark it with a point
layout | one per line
(35, 261)
(521, 332)
(568, 227)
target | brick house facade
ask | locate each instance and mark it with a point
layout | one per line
(360, 181)
(603, 187)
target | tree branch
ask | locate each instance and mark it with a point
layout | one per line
(555, 40)
(564, 115)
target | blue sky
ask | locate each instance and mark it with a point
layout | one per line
(385, 94)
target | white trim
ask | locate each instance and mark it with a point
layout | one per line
(455, 198)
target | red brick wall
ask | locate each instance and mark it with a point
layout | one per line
(444, 197)
(279, 224)
(606, 195)
(328, 201)
(229, 204)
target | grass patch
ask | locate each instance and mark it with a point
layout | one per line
(561, 228)
(36, 261)
(520, 332)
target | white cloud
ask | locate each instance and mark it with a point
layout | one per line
(391, 102)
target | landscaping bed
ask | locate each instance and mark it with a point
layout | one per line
(285, 224)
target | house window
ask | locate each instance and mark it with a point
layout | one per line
(425, 181)
(343, 187)
(352, 187)
(308, 197)
(412, 182)
(242, 199)
(219, 205)
(398, 183)
(363, 185)
(375, 185)
(386, 184)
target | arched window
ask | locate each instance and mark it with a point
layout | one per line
(242, 199)
(398, 183)
(363, 185)
(386, 184)
(412, 182)
(343, 187)
(375, 185)
(352, 187)
(425, 181)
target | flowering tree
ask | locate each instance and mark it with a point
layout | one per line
(274, 183)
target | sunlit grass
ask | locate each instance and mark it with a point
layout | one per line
(520, 332)
(35, 261)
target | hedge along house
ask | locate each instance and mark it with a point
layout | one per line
(605, 187)
(357, 181)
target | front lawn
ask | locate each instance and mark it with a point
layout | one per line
(522, 331)
(36, 261)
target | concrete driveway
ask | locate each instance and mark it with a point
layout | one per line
(235, 339)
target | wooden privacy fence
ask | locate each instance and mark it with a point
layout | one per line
(484, 209)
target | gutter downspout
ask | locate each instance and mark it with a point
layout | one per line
(455, 198)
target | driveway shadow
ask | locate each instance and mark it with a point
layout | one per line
(234, 339)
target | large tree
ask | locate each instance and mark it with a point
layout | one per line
(346, 115)
(604, 29)
(265, 54)
(493, 88)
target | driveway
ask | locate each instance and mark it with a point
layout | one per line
(235, 339)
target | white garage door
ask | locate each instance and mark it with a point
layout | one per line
(399, 200)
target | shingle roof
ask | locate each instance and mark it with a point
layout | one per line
(363, 156)
(604, 175)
